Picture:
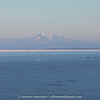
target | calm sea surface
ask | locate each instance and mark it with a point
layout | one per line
(54, 75)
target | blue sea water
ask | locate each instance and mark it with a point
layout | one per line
(25, 75)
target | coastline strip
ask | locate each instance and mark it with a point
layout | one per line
(49, 50)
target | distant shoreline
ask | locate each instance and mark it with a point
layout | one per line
(49, 49)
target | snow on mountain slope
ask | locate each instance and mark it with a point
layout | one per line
(49, 37)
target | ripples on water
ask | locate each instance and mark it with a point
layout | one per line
(50, 73)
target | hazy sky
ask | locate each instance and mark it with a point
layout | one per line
(77, 19)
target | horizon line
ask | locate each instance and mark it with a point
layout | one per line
(47, 50)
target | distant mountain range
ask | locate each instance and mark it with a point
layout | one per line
(46, 41)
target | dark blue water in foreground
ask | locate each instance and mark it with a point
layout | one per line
(25, 75)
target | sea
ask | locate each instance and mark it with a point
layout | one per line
(50, 74)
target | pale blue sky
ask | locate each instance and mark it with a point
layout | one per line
(78, 19)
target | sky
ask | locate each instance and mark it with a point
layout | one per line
(76, 19)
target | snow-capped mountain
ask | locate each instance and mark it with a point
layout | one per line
(43, 40)
(42, 37)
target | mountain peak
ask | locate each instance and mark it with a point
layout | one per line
(42, 34)
(49, 36)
